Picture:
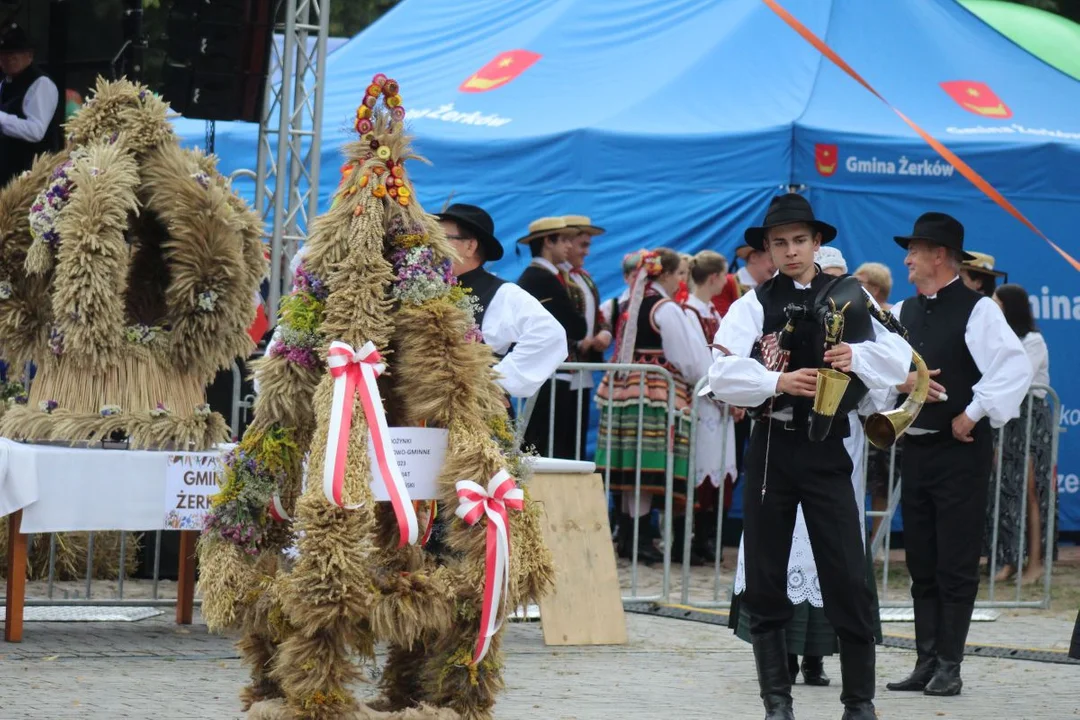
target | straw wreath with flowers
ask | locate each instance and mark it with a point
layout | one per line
(374, 287)
(127, 268)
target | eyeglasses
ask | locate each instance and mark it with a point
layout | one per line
(457, 237)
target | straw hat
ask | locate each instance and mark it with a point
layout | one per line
(981, 262)
(582, 223)
(543, 226)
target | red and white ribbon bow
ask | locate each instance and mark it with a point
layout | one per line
(355, 371)
(474, 502)
(277, 510)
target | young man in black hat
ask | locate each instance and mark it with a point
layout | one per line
(981, 374)
(549, 242)
(784, 467)
(528, 340)
(29, 108)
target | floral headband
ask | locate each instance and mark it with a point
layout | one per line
(650, 261)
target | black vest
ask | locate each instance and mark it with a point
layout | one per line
(18, 155)
(806, 345)
(648, 340)
(936, 331)
(483, 285)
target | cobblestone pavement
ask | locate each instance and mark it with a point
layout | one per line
(670, 668)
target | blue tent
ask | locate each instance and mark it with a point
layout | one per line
(674, 122)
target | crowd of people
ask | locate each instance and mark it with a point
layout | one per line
(804, 584)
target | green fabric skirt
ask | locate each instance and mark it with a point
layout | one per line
(808, 632)
(621, 427)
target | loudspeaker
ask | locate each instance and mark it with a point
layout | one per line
(218, 57)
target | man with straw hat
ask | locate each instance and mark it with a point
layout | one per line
(978, 273)
(550, 246)
(981, 374)
(784, 467)
(528, 341)
(757, 268)
(598, 332)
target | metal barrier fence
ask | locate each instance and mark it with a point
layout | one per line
(582, 395)
(719, 597)
(881, 541)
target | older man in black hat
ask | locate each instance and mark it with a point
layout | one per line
(771, 348)
(981, 375)
(29, 108)
(529, 341)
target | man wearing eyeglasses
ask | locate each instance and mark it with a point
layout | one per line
(529, 342)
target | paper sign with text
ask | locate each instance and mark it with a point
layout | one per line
(190, 480)
(419, 453)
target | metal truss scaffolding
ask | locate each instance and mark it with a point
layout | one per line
(287, 175)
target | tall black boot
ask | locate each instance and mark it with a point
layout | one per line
(771, 658)
(952, 635)
(624, 535)
(678, 537)
(926, 634)
(857, 668)
(813, 671)
(704, 542)
(646, 551)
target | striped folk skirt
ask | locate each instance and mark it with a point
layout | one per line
(632, 407)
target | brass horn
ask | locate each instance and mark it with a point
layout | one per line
(885, 428)
(831, 386)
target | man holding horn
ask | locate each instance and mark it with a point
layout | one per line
(768, 358)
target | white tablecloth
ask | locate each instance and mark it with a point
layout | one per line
(73, 489)
(76, 489)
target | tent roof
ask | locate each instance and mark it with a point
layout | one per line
(684, 99)
(907, 50)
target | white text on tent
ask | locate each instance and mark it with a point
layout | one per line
(446, 113)
(902, 166)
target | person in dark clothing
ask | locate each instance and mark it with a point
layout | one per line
(980, 376)
(29, 110)
(549, 242)
(762, 364)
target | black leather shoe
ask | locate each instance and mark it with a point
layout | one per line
(793, 667)
(952, 636)
(926, 631)
(858, 677)
(813, 671)
(770, 656)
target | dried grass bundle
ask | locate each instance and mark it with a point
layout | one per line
(350, 584)
(70, 559)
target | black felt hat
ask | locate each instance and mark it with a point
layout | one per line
(478, 223)
(939, 229)
(785, 210)
(13, 39)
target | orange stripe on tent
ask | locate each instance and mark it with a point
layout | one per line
(952, 158)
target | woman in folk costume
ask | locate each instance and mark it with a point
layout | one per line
(654, 330)
(714, 462)
(809, 632)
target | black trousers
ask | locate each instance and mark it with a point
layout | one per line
(944, 486)
(538, 432)
(817, 474)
